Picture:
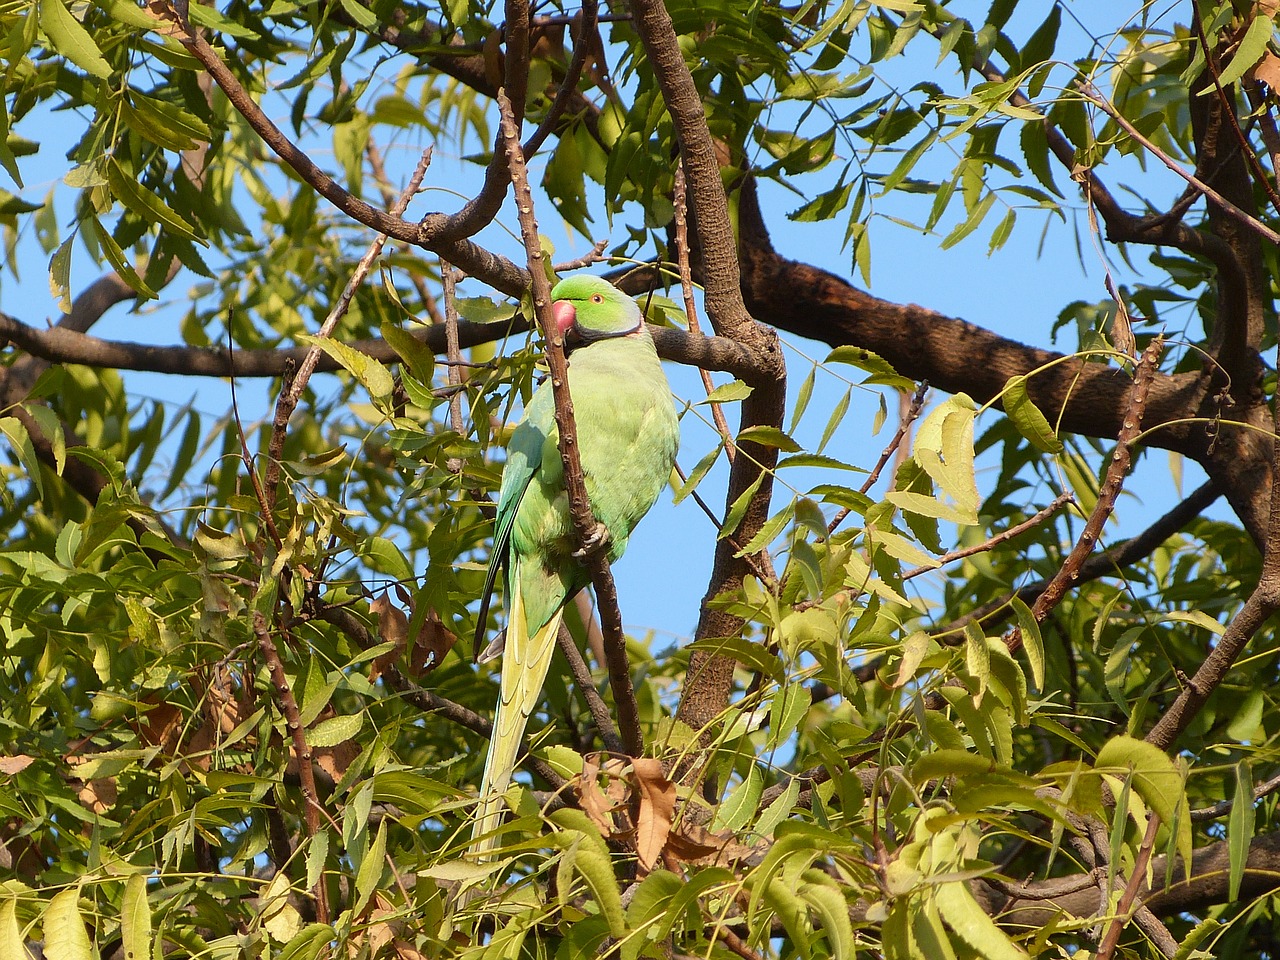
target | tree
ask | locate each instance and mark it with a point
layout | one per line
(236, 717)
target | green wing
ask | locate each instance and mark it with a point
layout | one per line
(524, 458)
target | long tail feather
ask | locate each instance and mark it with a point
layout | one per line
(525, 663)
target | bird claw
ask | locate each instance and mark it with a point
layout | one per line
(595, 541)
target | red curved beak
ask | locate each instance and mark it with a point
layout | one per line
(565, 316)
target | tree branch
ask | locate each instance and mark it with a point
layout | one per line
(497, 271)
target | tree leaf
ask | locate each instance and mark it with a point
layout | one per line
(68, 37)
(1240, 827)
(1026, 416)
(65, 937)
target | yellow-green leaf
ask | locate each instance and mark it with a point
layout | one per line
(68, 37)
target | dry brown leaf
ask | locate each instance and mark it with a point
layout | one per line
(432, 644)
(693, 843)
(15, 764)
(160, 726)
(335, 761)
(393, 627)
(407, 951)
(1268, 71)
(657, 809)
(590, 799)
(98, 796)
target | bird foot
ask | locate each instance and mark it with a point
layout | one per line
(595, 541)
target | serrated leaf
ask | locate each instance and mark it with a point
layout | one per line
(20, 440)
(371, 867)
(65, 937)
(769, 437)
(13, 945)
(751, 655)
(1026, 416)
(411, 350)
(135, 919)
(60, 274)
(1032, 642)
(386, 557)
(696, 475)
(373, 376)
(972, 925)
(335, 730)
(1240, 829)
(1250, 49)
(590, 857)
(126, 188)
(741, 804)
(69, 38)
(1156, 780)
(728, 393)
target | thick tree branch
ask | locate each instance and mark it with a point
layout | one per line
(63, 346)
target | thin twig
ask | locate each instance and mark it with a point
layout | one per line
(1060, 501)
(569, 85)
(596, 255)
(1136, 877)
(454, 354)
(288, 399)
(499, 272)
(1112, 483)
(1224, 807)
(587, 528)
(587, 688)
(904, 424)
(1091, 94)
(1228, 108)
(293, 720)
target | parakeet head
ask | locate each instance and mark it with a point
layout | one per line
(588, 308)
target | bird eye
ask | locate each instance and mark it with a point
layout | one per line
(597, 298)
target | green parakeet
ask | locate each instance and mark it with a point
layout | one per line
(627, 439)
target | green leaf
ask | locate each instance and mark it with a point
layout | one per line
(126, 188)
(741, 805)
(698, 472)
(754, 656)
(13, 945)
(20, 440)
(1240, 829)
(769, 437)
(412, 351)
(60, 274)
(65, 937)
(972, 925)
(728, 393)
(115, 256)
(1032, 642)
(385, 557)
(335, 730)
(1250, 49)
(68, 37)
(1157, 781)
(371, 867)
(373, 376)
(135, 919)
(1026, 416)
(588, 855)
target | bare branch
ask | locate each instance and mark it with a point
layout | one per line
(1121, 458)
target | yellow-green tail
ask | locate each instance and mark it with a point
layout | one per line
(525, 662)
